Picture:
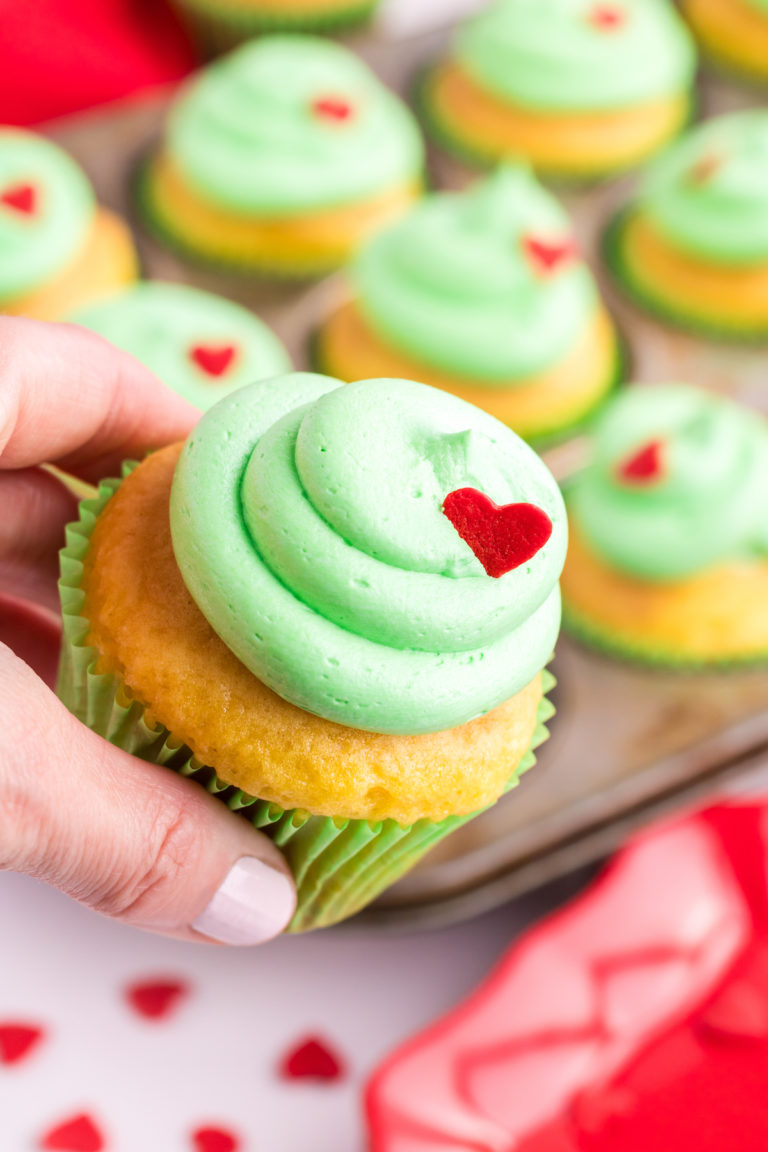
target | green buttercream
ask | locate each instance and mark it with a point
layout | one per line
(550, 55)
(35, 246)
(451, 284)
(707, 506)
(718, 212)
(161, 324)
(761, 4)
(246, 137)
(307, 523)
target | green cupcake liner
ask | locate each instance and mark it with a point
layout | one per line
(590, 632)
(443, 133)
(663, 310)
(339, 865)
(217, 28)
(547, 436)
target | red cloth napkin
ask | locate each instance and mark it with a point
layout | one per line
(61, 56)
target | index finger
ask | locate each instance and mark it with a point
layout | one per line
(68, 397)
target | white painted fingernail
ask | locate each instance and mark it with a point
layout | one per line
(254, 903)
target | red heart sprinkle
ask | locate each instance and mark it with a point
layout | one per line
(546, 256)
(79, 1134)
(705, 168)
(155, 999)
(312, 1059)
(502, 536)
(645, 465)
(21, 197)
(17, 1041)
(213, 359)
(332, 108)
(607, 17)
(209, 1139)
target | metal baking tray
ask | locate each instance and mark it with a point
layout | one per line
(625, 744)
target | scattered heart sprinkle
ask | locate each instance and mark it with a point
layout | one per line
(156, 999)
(17, 1040)
(78, 1134)
(312, 1059)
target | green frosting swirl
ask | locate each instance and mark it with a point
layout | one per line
(708, 194)
(35, 246)
(549, 54)
(709, 503)
(164, 324)
(307, 523)
(452, 286)
(246, 136)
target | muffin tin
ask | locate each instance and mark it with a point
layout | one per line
(626, 743)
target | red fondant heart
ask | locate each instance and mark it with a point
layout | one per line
(644, 466)
(546, 256)
(705, 168)
(501, 536)
(79, 1134)
(607, 17)
(156, 999)
(21, 197)
(334, 108)
(213, 359)
(312, 1059)
(17, 1041)
(209, 1139)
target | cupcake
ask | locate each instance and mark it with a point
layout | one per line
(221, 24)
(58, 248)
(582, 89)
(733, 34)
(281, 158)
(668, 558)
(692, 247)
(482, 294)
(201, 345)
(333, 606)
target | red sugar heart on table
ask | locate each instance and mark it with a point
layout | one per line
(213, 359)
(607, 17)
(547, 256)
(334, 108)
(17, 1040)
(312, 1059)
(78, 1134)
(502, 536)
(214, 1139)
(156, 999)
(21, 198)
(644, 466)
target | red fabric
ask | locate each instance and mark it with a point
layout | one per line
(61, 56)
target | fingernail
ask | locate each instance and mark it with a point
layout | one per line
(253, 904)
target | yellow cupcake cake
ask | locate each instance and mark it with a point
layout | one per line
(334, 605)
(668, 557)
(58, 248)
(733, 34)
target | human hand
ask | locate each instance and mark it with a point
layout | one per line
(127, 838)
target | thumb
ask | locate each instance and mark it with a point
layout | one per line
(129, 839)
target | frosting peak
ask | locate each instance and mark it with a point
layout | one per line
(290, 123)
(482, 284)
(307, 523)
(677, 483)
(578, 55)
(707, 194)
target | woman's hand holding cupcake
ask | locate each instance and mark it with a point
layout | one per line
(123, 836)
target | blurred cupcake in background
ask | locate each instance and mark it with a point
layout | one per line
(582, 89)
(281, 158)
(58, 248)
(201, 345)
(732, 34)
(668, 554)
(482, 294)
(692, 247)
(218, 25)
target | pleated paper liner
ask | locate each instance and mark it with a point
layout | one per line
(340, 865)
(663, 310)
(218, 27)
